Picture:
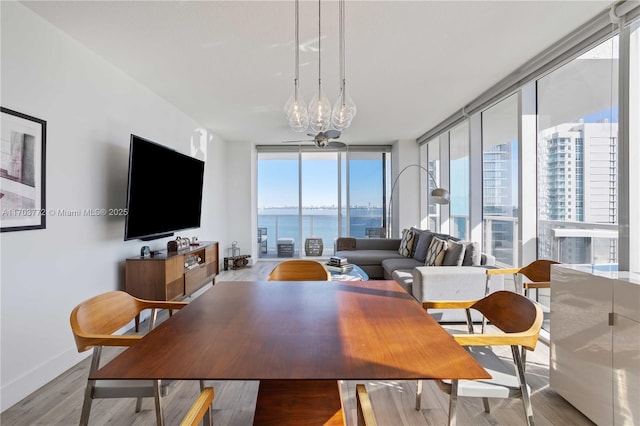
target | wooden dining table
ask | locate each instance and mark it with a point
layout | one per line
(299, 334)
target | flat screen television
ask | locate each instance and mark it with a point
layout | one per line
(164, 191)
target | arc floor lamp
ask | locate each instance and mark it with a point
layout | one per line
(438, 195)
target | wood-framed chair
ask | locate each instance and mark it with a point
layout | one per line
(520, 320)
(366, 416)
(299, 270)
(200, 410)
(538, 273)
(94, 323)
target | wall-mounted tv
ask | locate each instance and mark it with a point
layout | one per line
(164, 191)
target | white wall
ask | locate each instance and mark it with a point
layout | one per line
(240, 205)
(90, 108)
(407, 193)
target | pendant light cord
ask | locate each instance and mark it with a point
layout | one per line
(297, 47)
(341, 8)
(319, 49)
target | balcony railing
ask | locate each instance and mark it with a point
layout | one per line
(324, 226)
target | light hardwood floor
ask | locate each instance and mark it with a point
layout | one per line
(59, 402)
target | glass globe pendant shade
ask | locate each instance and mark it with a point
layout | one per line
(296, 111)
(343, 111)
(319, 112)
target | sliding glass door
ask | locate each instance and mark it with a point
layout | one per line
(309, 197)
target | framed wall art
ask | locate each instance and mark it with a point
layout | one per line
(22, 172)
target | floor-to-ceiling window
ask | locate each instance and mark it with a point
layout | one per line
(366, 176)
(500, 180)
(433, 165)
(459, 180)
(319, 200)
(311, 196)
(634, 147)
(278, 199)
(577, 159)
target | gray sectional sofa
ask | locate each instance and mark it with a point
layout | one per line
(464, 278)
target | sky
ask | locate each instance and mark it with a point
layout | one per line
(278, 183)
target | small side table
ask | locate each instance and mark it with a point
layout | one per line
(285, 247)
(313, 246)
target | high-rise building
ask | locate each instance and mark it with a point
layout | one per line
(577, 186)
(498, 201)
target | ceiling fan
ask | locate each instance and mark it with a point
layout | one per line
(322, 139)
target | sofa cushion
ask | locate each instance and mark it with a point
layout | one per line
(455, 253)
(406, 245)
(472, 254)
(422, 245)
(369, 257)
(436, 252)
(404, 277)
(390, 265)
(345, 243)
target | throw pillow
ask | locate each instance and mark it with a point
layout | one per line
(436, 252)
(421, 247)
(472, 254)
(455, 253)
(406, 245)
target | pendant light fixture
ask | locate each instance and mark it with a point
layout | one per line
(319, 107)
(295, 108)
(344, 109)
(320, 116)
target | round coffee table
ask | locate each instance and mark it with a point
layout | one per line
(355, 274)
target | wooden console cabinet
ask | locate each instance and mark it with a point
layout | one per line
(172, 275)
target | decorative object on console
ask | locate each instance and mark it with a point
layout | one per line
(234, 250)
(145, 251)
(178, 244)
(438, 195)
(23, 173)
(235, 262)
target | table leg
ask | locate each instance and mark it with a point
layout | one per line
(298, 403)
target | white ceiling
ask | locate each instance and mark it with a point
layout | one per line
(229, 64)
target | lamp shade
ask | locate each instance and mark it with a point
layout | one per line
(440, 196)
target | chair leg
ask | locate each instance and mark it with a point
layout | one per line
(523, 355)
(158, 401)
(138, 405)
(487, 407)
(86, 405)
(88, 393)
(419, 395)
(469, 322)
(526, 398)
(453, 399)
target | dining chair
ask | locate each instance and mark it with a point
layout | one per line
(538, 274)
(519, 319)
(94, 323)
(200, 410)
(299, 270)
(366, 416)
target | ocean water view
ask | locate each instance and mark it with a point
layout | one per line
(320, 222)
